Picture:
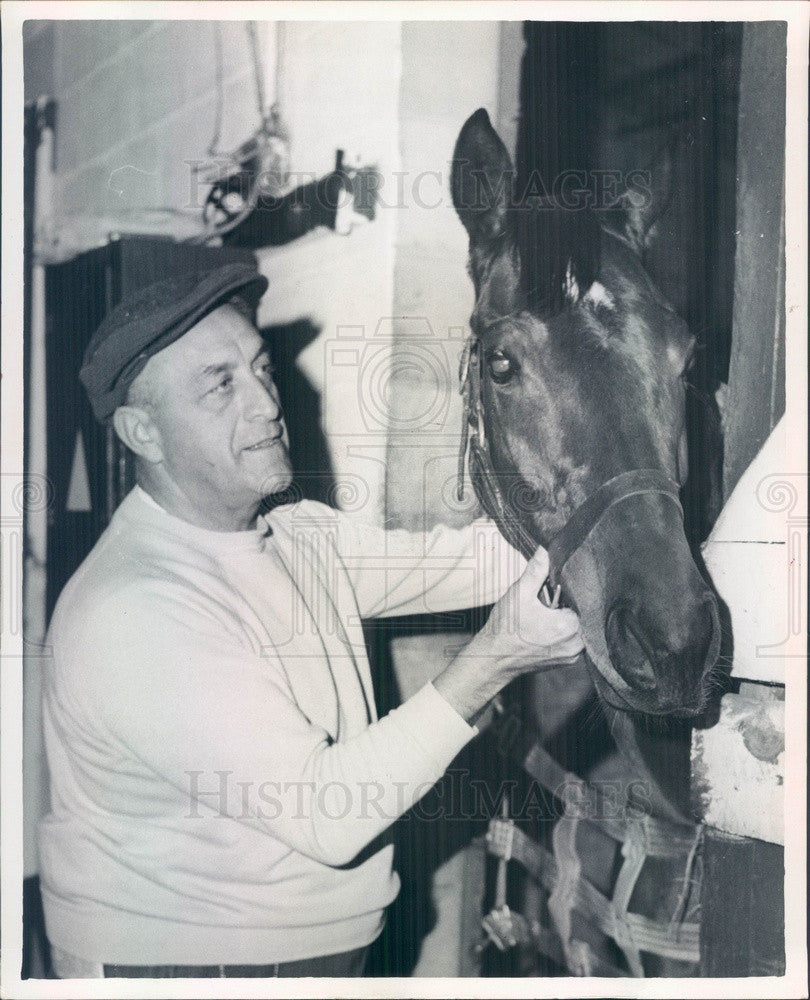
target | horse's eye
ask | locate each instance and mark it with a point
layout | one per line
(501, 368)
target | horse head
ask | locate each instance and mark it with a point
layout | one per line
(579, 410)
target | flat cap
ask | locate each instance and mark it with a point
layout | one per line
(151, 319)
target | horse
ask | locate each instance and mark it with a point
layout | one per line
(574, 430)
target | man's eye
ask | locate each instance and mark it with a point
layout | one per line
(267, 369)
(223, 386)
(501, 367)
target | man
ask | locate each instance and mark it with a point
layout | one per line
(219, 778)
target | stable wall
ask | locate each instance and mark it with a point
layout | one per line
(433, 293)
(449, 70)
(137, 100)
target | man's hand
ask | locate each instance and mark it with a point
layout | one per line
(522, 635)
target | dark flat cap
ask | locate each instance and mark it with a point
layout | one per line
(151, 319)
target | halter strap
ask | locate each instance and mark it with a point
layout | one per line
(579, 525)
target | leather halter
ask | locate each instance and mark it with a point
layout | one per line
(565, 543)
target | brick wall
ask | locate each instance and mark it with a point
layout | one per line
(138, 99)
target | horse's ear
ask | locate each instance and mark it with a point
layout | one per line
(482, 179)
(647, 197)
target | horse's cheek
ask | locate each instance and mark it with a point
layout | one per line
(516, 416)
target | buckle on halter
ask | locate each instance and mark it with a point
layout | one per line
(465, 389)
(464, 363)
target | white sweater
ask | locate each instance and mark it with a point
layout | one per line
(220, 783)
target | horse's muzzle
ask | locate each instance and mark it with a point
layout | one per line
(664, 658)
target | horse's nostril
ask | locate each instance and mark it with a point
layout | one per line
(627, 652)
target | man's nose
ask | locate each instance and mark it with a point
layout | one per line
(262, 401)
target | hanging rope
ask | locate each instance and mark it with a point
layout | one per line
(264, 155)
(258, 70)
(213, 145)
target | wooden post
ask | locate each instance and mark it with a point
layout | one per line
(756, 384)
(472, 907)
(743, 911)
(742, 921)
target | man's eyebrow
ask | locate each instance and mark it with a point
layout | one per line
(215, 369)
(264, 351)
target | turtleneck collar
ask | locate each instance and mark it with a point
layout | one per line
(140, 506)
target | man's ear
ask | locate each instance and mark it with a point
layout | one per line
(135, 427)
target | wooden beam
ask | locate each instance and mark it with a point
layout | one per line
(743, 907)
(756, 385)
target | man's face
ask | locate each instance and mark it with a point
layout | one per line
(214, 403)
